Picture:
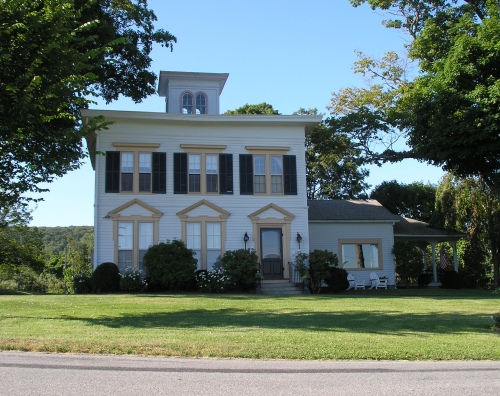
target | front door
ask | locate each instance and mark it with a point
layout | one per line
(271, 253)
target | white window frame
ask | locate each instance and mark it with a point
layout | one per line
(204, 152)
(136, 150)
(268, 152)
(343, 259)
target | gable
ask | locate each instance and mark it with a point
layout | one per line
(135, 207)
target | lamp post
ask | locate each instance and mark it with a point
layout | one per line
(299, 238)
(246, 238)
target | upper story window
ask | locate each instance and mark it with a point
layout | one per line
(268, 171)
(136, 169)
(201, 103)
(203, 170)
(187, 103)
(198, 107)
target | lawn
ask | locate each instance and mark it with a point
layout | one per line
(422, 324)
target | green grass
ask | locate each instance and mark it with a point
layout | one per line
(421, 324)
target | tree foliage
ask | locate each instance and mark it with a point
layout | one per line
(408, 260)
(468, 205)
(449, 112)
(333, 166)
(415, 200)
(261, 108)
(55, 55)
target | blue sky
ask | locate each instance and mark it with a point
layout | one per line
(288, 53)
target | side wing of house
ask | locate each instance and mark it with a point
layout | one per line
(362, 247)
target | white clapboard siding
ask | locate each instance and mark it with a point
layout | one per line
(170, 135)
(326, 235)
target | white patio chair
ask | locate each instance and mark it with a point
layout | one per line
(377, 282)
(360, 284)
(352, 281)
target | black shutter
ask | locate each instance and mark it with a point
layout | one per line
(226, 173)
(112, 184)
(159, 173)
(180, 173)
(290, 174)
(246, 174)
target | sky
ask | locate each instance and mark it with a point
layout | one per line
(288, 53)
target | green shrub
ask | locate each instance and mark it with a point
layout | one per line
(424, 279)
(105, 279)
(241, 267)
(337, 280)
(320, 262)
(81, 283)
(171, 265)
(451, 280)
(131, 280)
(215, 281)
(52, 283)
(28, 279)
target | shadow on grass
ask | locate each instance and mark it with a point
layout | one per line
(381, 322)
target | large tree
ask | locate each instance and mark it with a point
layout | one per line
(450, 113)
(54, 56)
(467, 205)
(334, 167)
(415, 200)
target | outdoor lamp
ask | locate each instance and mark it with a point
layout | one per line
(246, 238)
(299, 238)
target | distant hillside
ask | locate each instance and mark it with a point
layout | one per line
(55, 239)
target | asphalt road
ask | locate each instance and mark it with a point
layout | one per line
(56, 374)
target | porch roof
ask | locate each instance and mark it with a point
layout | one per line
(408, 228)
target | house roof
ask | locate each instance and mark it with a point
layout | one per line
(350, 210)
(219, 78)
(410, 229)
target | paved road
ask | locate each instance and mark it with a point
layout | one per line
(53, 374)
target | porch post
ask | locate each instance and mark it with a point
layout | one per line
(434, 268)
(455, 256)
(424, 261)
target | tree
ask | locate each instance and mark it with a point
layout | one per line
(367, 116)
(261, 108)
(56, 55)
(408, 259)
(450, 111)
(333, 166)
(414, 200)
(467, 205)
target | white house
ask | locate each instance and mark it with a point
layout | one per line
(195, 175)
(225, 182)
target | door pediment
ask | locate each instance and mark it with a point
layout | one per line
(271, 211)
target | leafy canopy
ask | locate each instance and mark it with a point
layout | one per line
(449, 113)
(414, 200)
(55, 55)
